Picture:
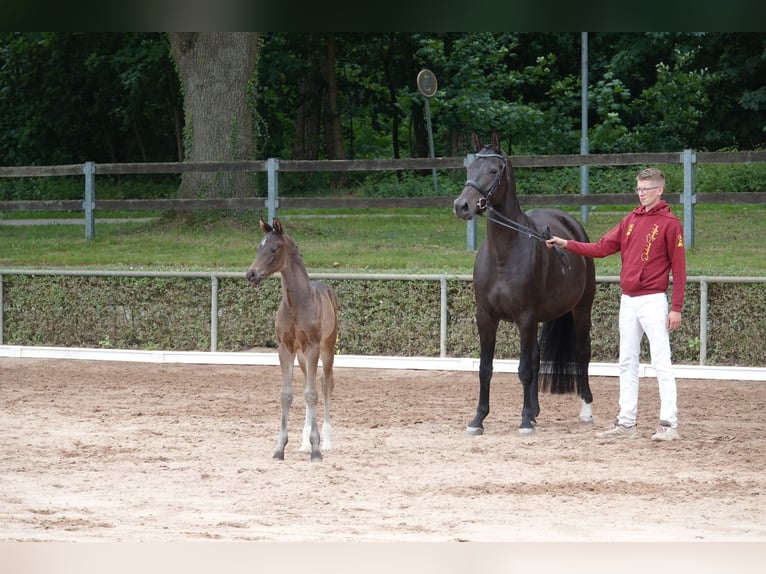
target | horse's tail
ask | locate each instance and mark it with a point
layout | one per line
(559, 369)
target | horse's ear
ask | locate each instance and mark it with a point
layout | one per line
(475, 141)
(277, 226)
(265, 226)
(495, 141)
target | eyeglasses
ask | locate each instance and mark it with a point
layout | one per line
(645, 189)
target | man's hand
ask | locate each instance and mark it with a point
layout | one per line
(674, 320)
(556, 241)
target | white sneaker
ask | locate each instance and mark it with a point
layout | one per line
(619, 431)
(666, 433)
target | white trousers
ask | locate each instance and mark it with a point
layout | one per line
(645, 314)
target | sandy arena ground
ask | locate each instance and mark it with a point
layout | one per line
(127, 452)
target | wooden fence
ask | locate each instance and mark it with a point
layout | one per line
(273, 202)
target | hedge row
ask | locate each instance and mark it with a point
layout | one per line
(382, 317)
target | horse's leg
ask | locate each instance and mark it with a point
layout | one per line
(583, 362)
(582, 319)
(487, 338)
(529, 370)
(286, 360)
(328, 357)
(312, 398)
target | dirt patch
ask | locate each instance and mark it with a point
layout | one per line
(113, 451)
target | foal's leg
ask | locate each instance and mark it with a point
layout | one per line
(328, 357)
(286, 361)
(312, 398)
(305, 440)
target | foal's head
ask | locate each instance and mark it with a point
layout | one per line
(272, 255)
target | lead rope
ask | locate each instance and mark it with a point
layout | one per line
(500, 219)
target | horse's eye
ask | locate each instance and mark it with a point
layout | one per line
(273, 250)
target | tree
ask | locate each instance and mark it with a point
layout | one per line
(216, 71)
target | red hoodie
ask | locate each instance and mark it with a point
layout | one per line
(651, 245)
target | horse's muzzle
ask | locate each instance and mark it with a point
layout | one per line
(463, 208)
(253, 277)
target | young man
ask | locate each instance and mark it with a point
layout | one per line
(651, 246)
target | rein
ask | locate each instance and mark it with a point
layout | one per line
(503, 220)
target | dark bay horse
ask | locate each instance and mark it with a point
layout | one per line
(516, 278)
(307, 327)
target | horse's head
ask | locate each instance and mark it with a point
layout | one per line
(271, 254)
(488, 176)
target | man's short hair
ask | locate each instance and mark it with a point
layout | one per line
(651, 173)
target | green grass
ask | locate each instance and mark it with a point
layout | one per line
(409, 241)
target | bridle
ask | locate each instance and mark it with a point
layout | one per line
(503, 220)
(486, 194)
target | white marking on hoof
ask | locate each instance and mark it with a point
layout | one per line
(586, 412)
(305, 442)
(474, 431)
(526, 431)
(326, 436)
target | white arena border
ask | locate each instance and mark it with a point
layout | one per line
(356, 361)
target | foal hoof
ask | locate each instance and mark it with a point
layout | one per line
(474, 431)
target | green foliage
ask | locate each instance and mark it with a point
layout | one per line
(736, 334)
(648, 92)
(72, 188)
(730, 178)
(53, 188)
(671, 110)
(68, 97)
(127, 313)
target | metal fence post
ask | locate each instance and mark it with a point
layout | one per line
(272, 202)
(213, 313)
(443, 307)
(470, 225)
(1, 309)
(89, 205)
(703, 320)
(688, 198)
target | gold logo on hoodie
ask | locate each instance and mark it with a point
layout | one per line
(650, 237)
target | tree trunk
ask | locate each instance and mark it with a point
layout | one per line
(333, 134)
(215, 69)
(308, 117)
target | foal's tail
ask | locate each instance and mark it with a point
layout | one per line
(559, 370)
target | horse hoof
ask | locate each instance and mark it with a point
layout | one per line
(585, 420)
(317, 457)
(526, 430)
(279, 455)
(474, 431)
